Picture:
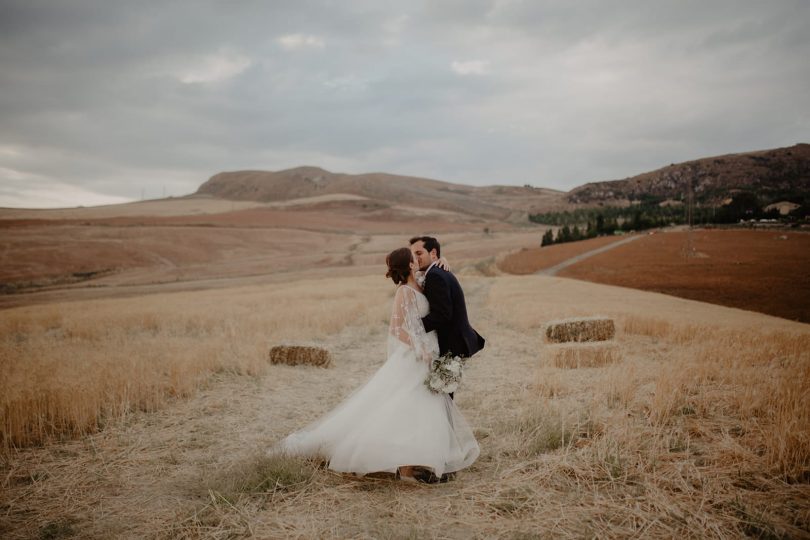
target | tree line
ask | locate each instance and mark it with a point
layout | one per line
(649, 213)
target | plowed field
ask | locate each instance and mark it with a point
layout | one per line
(765, 271)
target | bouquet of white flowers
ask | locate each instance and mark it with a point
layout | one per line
(445, 374)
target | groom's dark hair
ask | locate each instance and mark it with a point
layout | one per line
(429, 242)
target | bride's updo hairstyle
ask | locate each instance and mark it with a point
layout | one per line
(399, 265)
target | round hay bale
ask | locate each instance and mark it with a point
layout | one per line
(296, 355)
(580, 329)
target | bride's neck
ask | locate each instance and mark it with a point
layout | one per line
(411, 280)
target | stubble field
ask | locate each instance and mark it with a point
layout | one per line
(155, 413)
(137, 400)
(47, 261)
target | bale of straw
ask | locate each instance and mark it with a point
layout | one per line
(580, 329)
(296, 355)
(585, 355)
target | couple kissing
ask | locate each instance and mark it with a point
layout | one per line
(396, 422)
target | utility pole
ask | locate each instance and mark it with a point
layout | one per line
(690, 201)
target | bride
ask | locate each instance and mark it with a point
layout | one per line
(394, 423)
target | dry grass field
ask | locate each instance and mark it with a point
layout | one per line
(203, 238)
(47, 256)
(137, 397)
(763, 271)
(184, 206)
(149, 417)
(48, 262)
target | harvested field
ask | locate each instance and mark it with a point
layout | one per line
(763, 271)
(388, 221)
(39, 256)
(146, 411)
(182, 206)
(699, 403)
(582, 355)
(53, 262)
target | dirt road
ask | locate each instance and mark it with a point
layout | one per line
(582, 256)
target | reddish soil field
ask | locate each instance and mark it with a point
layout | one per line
(377, 221)
(46, 259)
(765, 271)
(35, 257)
(138, 250)
(529, 261)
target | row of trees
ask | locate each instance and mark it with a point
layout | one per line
(584, 223)
(650, 213)
(600, 227)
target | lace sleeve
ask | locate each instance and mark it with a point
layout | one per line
(406, 324)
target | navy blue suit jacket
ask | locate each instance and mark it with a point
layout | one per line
(448, 315)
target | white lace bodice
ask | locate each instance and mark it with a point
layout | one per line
(406, 325)
(422, 304)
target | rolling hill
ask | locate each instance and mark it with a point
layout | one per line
(780, 173)
(776, 174)
(492, 202)
(771, 175)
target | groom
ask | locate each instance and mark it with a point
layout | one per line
(448, 311)
(448, 316)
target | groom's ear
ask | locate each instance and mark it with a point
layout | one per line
(433, 255)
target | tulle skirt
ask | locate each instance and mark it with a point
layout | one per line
(391, 421)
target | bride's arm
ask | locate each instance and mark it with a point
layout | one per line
(397, 325)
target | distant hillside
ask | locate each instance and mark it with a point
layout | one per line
(494, 202)
(770, 174)
(782, 173)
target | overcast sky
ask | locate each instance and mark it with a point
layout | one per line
(106, 101)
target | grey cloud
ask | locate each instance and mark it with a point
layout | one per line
(573, 91)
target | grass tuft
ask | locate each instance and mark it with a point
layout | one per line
(57, 529)
(583, 355)
(263, 475)
(546, 429)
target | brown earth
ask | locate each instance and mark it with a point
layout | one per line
(531, 260)
(56, 260)
(763, 271)
(49, 255)
(202, 238)
(331, 217)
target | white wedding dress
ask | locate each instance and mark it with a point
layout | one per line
(393, 420)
